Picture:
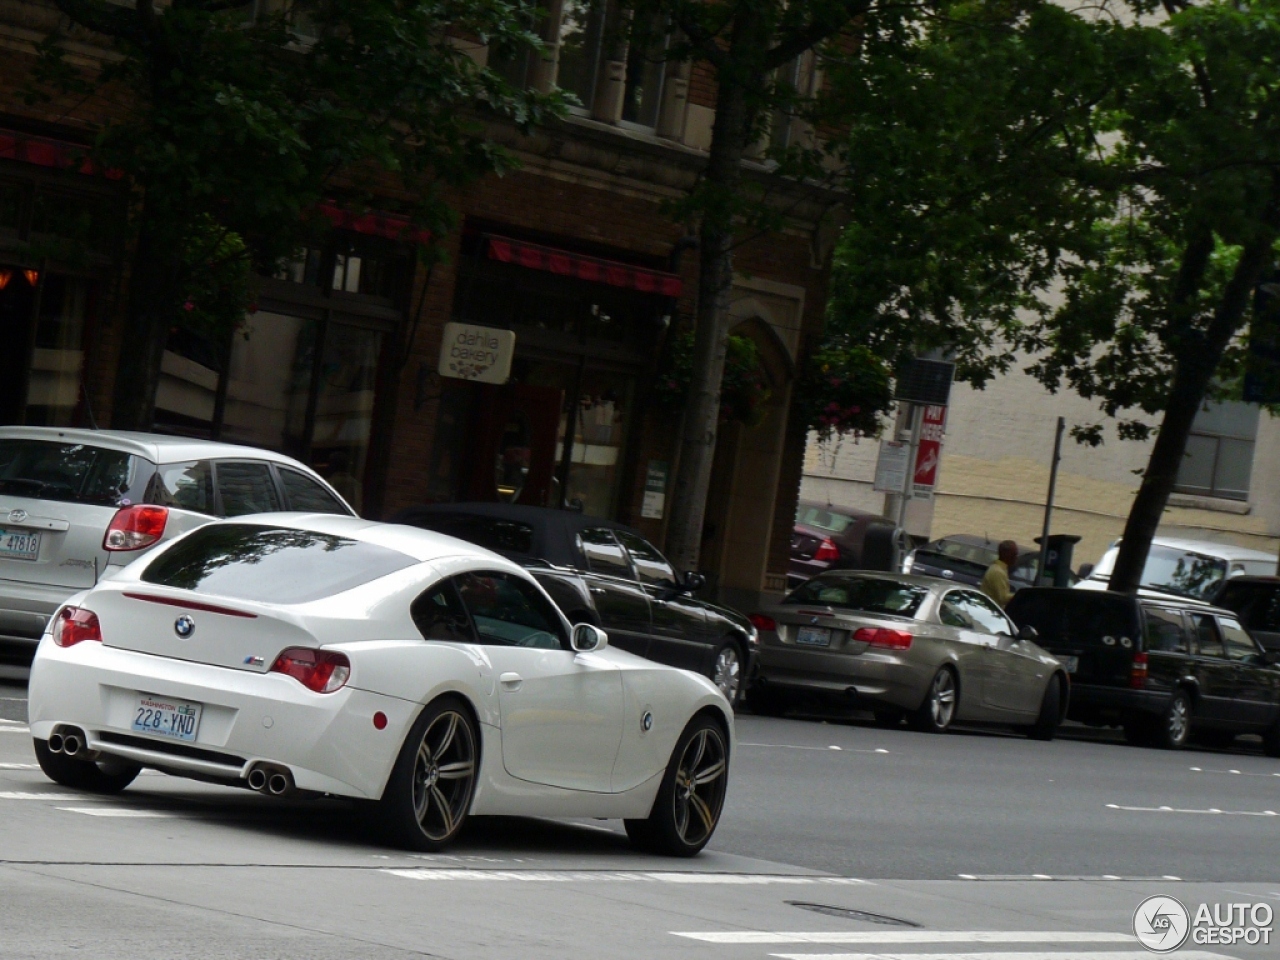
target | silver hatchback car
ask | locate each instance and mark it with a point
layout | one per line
(75, 505)
(919, 648)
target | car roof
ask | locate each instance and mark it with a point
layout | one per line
(156, 447)
(1187, 603)
(1228, 551)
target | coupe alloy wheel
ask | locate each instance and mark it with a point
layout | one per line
(699, 791)
(444, 775)
(942, 699)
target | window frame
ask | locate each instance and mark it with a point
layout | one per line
(1218, 436)
(632, 575)
(563, 630)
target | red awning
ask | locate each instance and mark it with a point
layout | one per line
(376, 223)
(537, 257)
(44, 152)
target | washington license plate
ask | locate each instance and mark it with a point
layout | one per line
(159, 717)
(19, 544)
(814, 636)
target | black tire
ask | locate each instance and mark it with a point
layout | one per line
(890, 717)
(1271, 740)
(766, 701)
(1174, 727)
(728, 671)
(687, 808)
(429, 793)
(941, 703)
(103, 776)
(1046, 725)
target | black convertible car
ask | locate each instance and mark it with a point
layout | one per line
(607, 574)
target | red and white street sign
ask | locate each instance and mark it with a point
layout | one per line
(929, 451)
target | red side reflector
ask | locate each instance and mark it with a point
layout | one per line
(191, 605)
(136, 527)
(882, 637)
(320, 670)
(761, 622)
(74, 625)
(1138, 673)
(827, 550)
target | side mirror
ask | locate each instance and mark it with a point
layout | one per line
(1271, 658)
(1028, 633)
(692, 582)
(588, 639)
(1084, 571)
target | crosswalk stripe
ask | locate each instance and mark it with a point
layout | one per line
(18, 729)
(116, 812)
(22, 795)
(1104, 955)
(18, 766)
(908, 936)
(570, 876)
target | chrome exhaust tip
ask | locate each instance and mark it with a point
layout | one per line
(55, 743)
(278, 785)
(257, 779)
(71, 744)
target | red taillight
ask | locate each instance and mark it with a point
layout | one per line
(75, 624)
(133, 528)
(827, 550)
(320, 670)
(1138, 673)
(882, 637)
(762, 623)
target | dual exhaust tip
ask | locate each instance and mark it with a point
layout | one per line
(70, 742)
(269, 779)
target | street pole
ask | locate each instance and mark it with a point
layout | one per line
(908, 482)
(1048, 500)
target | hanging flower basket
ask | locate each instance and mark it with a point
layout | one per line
(844, 391)
(743, 391)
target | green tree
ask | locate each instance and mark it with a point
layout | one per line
(1097, 191)
(236, 123)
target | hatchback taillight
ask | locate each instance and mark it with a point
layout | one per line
(136, 527)
(1138, 672)
(882, 637)
(827, 550)
(320, 670)
(762, 623)
(73, 625)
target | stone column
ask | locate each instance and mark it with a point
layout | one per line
(675, 97)
(611, 80)
(542, 72)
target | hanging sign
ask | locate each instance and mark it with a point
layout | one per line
(929, 451)
(472, 352)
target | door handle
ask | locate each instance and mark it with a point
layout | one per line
(599, 591)
(511, 681)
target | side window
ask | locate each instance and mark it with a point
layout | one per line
(1208, 643)
(952, 614)
(650, 564)
(246, 487)
(1238, 644)
(183, 486)
(439, 615)
(985, 615)
(305, 494)
(1164, 631)
(603, 553)
(1271, 619)
(510, 612)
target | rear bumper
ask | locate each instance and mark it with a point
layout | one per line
(1099, 704)
(328, 741)
(873, 677)
(25, 609)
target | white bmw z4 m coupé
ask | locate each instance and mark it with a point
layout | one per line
(332, 655)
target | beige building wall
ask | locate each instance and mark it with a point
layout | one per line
(995, 473)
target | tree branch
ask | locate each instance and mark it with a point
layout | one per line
(813, 34)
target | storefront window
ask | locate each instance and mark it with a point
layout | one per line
(599, 428)
(56, 363)
(269, 382)
(344, 408)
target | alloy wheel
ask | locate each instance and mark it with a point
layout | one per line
(444, 775)
(701, 779)
(727, 674)
(1179, 720)
(942, 699)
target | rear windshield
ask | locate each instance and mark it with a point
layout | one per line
(492, 533)
(956, 550)
(72, 473)
(271, 564)
(823, 519)
(1183, 572)
(1073, 617)
(865, 594)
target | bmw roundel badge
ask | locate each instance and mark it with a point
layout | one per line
(184, 626)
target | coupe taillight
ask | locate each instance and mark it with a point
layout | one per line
(883, 637)
(320, 670)
(74, 625)
(827, 550)
(762, 623)
(135, 527)
(1138, 672)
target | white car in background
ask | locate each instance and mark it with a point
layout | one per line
(77, 505)
(334, 655)
(1186, 568)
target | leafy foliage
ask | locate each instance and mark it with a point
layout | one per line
(745, 387)
(844, 390)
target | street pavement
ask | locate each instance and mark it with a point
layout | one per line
(839, 840)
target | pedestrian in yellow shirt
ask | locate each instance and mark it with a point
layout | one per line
(995, 582)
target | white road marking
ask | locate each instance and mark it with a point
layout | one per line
(990, 877)
(796, 746)
(19, 766)
(570, 876)
(909, 936)
(1238, 773)
(1212, 810)
(23, 728)
(20, 795)
(117, 812)
(1018, 955)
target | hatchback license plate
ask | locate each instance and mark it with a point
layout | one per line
(1072, 664)
(19, 544)
(175, 719)
(814, 636)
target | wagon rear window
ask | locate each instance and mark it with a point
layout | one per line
(71, 472)
(271, 564)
